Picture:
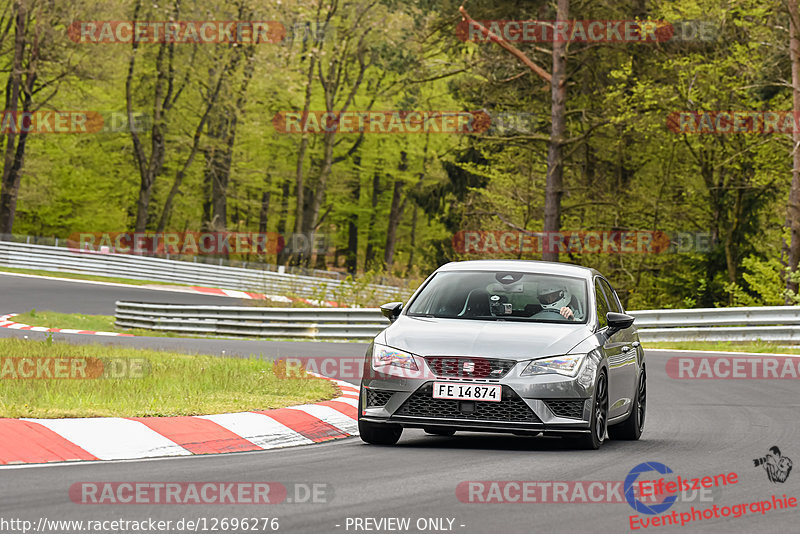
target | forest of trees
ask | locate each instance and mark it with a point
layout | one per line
(580, 137)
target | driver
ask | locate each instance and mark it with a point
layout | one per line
(556, 297)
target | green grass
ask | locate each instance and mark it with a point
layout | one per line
(174, 384)
(80, 321)
(726, 346)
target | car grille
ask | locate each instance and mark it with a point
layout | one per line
(511, 408)
(475, 367)
(378, 397)
(566, 407)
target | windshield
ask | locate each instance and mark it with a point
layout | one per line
(501, 295)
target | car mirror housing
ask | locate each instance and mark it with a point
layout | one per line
(392, 310)
(618, 321)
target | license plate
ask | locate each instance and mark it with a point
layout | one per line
(458, 391)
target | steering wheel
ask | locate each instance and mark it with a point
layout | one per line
(548, 314)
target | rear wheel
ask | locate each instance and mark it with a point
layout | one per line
(440, 431)
(597, 428)
(632, 427)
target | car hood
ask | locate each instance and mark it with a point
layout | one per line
(495, 339)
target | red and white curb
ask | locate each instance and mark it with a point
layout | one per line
(24, 441)
(6, 322)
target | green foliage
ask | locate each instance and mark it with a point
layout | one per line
(624, 170)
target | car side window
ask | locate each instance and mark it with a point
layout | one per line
(613, 303)
(602, 305)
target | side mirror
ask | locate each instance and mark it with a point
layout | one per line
(617, 322)
(392, 310)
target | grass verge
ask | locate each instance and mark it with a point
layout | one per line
(726, 346)
(80, 321)
(172, 384)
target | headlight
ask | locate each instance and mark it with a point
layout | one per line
(563, 365)
(383, 356)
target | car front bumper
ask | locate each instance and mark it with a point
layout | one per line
(549, 404)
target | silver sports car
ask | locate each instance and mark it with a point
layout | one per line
(525, 347)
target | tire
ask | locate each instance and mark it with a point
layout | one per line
(376, 433)
(440, 431)
(379, 433)
(598, 425)
(632, 427)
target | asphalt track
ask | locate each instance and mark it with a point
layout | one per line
(21, 293)
(696, 427)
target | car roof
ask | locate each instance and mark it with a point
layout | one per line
(523, 266)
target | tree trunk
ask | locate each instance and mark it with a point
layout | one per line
(555, 165)
(163, 100)
(149, 168)
(216, 171)
(793, 205)
(413, 238)
(281, 229)
(264, 213)
(301, 153)
(351, 260)
(395, 213)
(210, 105)
(376, 191)
(15, 143)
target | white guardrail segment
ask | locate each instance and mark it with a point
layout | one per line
(248, 321)
(776, 323)
(59, 259)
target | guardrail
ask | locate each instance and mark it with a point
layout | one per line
(195, 258)
(57, 259)
(775, 323)
(765, 323)
(246, 321)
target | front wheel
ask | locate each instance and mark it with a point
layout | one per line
(597, 427)
(379, 434)
(632, 427)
